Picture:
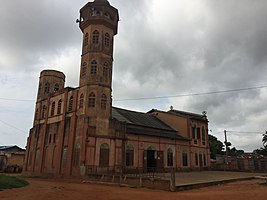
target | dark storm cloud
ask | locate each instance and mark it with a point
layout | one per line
(35, 29)
(225, 48)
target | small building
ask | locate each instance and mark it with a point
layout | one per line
(11, 159)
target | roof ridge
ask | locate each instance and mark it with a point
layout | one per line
(128, 110)
(185, 112)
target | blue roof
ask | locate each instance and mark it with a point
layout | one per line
(9, 147)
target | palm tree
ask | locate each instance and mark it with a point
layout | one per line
(264, 139)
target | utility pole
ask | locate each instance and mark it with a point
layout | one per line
(226, 149)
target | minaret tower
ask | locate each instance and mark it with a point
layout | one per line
(99, 24)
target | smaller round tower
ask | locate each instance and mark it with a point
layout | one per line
(50, 81)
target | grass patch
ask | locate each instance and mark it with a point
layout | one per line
(8, 182)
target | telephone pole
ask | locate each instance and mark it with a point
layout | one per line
(226, 149)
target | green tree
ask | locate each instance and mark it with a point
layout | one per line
(261, 151)
(264, 139)
(234, 152)
(216, 146)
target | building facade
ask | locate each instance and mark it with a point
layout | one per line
(11, 159)
(76, 130)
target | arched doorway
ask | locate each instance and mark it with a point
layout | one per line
(153, 160)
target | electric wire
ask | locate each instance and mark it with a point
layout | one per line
(165, 97)
(194, 94)
(14, 127)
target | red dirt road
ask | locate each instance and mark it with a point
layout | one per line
(55, 190)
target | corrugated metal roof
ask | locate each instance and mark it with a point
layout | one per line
(153, 132)
(145, 124)
(10, 147)
(139, 118)
(6, 147)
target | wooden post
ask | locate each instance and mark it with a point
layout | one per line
(172, 181)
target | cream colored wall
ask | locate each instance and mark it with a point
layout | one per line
(176, 122)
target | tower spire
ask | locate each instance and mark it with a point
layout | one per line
(99, 24)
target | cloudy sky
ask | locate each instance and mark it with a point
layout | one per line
(170, 48)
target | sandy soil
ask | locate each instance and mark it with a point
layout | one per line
(69, 190)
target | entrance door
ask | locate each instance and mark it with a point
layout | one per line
(154, 160)
(159, 161)
(151, 161)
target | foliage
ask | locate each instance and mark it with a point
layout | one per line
(264, 139)
(261, 151)
(216, 146)
(234, 152)
(8, 182)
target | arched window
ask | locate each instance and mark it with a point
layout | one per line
(56, 87)
(107, 15)
(95, 37)
(93, 67)
(70, 104)
(30, 157)
(64, 157)
(53, 109)
(196, 159)
(84, 69)
(200, 160)
(81, 101)
(86, 39)
(50, 138)
(59, 106)
(43, 111)
(107, 40)
(47, 87)
(104, 155)
(129, 155)
(198, 133)
(103, 101)
(91, 100)
(37, 114)
(105, 70)
(185, 159)
(40, 89)
(169, 157)
(151, 148)
(76, 155)
(203, 136)
(37, 157)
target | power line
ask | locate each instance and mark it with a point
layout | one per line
(193, 94)
(12, 126)
(7, 99)
(255, 132)
(165, 97)
(252, 132)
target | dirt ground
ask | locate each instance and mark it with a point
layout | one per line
(69, 190)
